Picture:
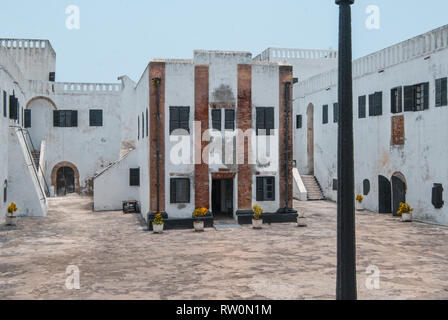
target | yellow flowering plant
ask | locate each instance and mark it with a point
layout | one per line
(200, 212)
(359, 198)
(404, 208)
(12, 209)
(158, 219)
(258, 211)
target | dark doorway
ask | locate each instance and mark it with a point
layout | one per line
(65, 181)
(398, 193)
(222, 198)
(384, 195)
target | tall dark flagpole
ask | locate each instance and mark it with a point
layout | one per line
(346, 269)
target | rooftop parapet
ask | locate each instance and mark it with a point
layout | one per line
(50, 88)
(280, 54)
(417, 47)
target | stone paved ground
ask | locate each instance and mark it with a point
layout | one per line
(119, 260)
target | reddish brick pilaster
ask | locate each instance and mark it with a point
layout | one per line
(201, 98)
(156, 70)
(244, 119)
(285, 76)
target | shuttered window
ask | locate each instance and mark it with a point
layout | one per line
(361, 107)
(13, 108)
(27, 116)
(437, 196)
(179, 119)
(265, 120)
(134, 177)
(180, 190)
(216, 119)
(335, 112)
(147, 122)
(138, 127)
(65, 118)
(5, 104)
(96, 118)
(396, 100)
(265, 189)
(229, 120)
(376, 104)
(325, 114)
(441, 92)
(143, 125)
(416, 97)
(299, 121)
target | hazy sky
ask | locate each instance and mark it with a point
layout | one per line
(118, 37)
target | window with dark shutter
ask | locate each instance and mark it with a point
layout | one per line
(65, 118)
(441, 92)
(265, 120)
(229, 120)
(265, 188)
(409, 98)
(27, 116)
(371, 105)
(299, 121)
(378, 104)
(96, 118)
(179, 119)
(396, 104)
(13, 108)
(335, 112)
(216, 119)
(147, 122)
(138, 127)
(134, 177)
(361, 107)
(52, 77)
(143, 125)
(437, 196)
(5, 104)
(366, 187)
(325, 114)
(180, 190)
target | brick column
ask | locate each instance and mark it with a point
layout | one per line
(244, 120)
(156, 70)
(285, 76)
(201, 174)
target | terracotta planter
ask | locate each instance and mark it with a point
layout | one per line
(11, 221)
(257, 224)
(406, 217)
(301, 222)
(157, 228)
(198, 226)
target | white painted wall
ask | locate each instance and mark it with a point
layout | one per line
(421, 160)
(112, 186)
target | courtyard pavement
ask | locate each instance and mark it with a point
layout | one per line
(118, 259)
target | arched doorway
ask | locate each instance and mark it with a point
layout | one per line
(65, 179)
(384, 195)
(310, 138)
(398, 191)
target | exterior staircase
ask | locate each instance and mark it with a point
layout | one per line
(36, 157)
(314, 191)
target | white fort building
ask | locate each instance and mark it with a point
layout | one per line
(115, 141)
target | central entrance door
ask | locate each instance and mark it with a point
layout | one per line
(384, 195)
(222, 198)
(65, 181)
(398, 193)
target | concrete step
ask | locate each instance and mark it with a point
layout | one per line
(312, 187)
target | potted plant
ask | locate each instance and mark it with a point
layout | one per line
(257, 222)
(11, 218)
(358, 203)
(158, 223)
(198, 222)
(405, 212)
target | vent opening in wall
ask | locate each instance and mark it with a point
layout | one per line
(437, 196)
(366, 187)
(335, 184)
